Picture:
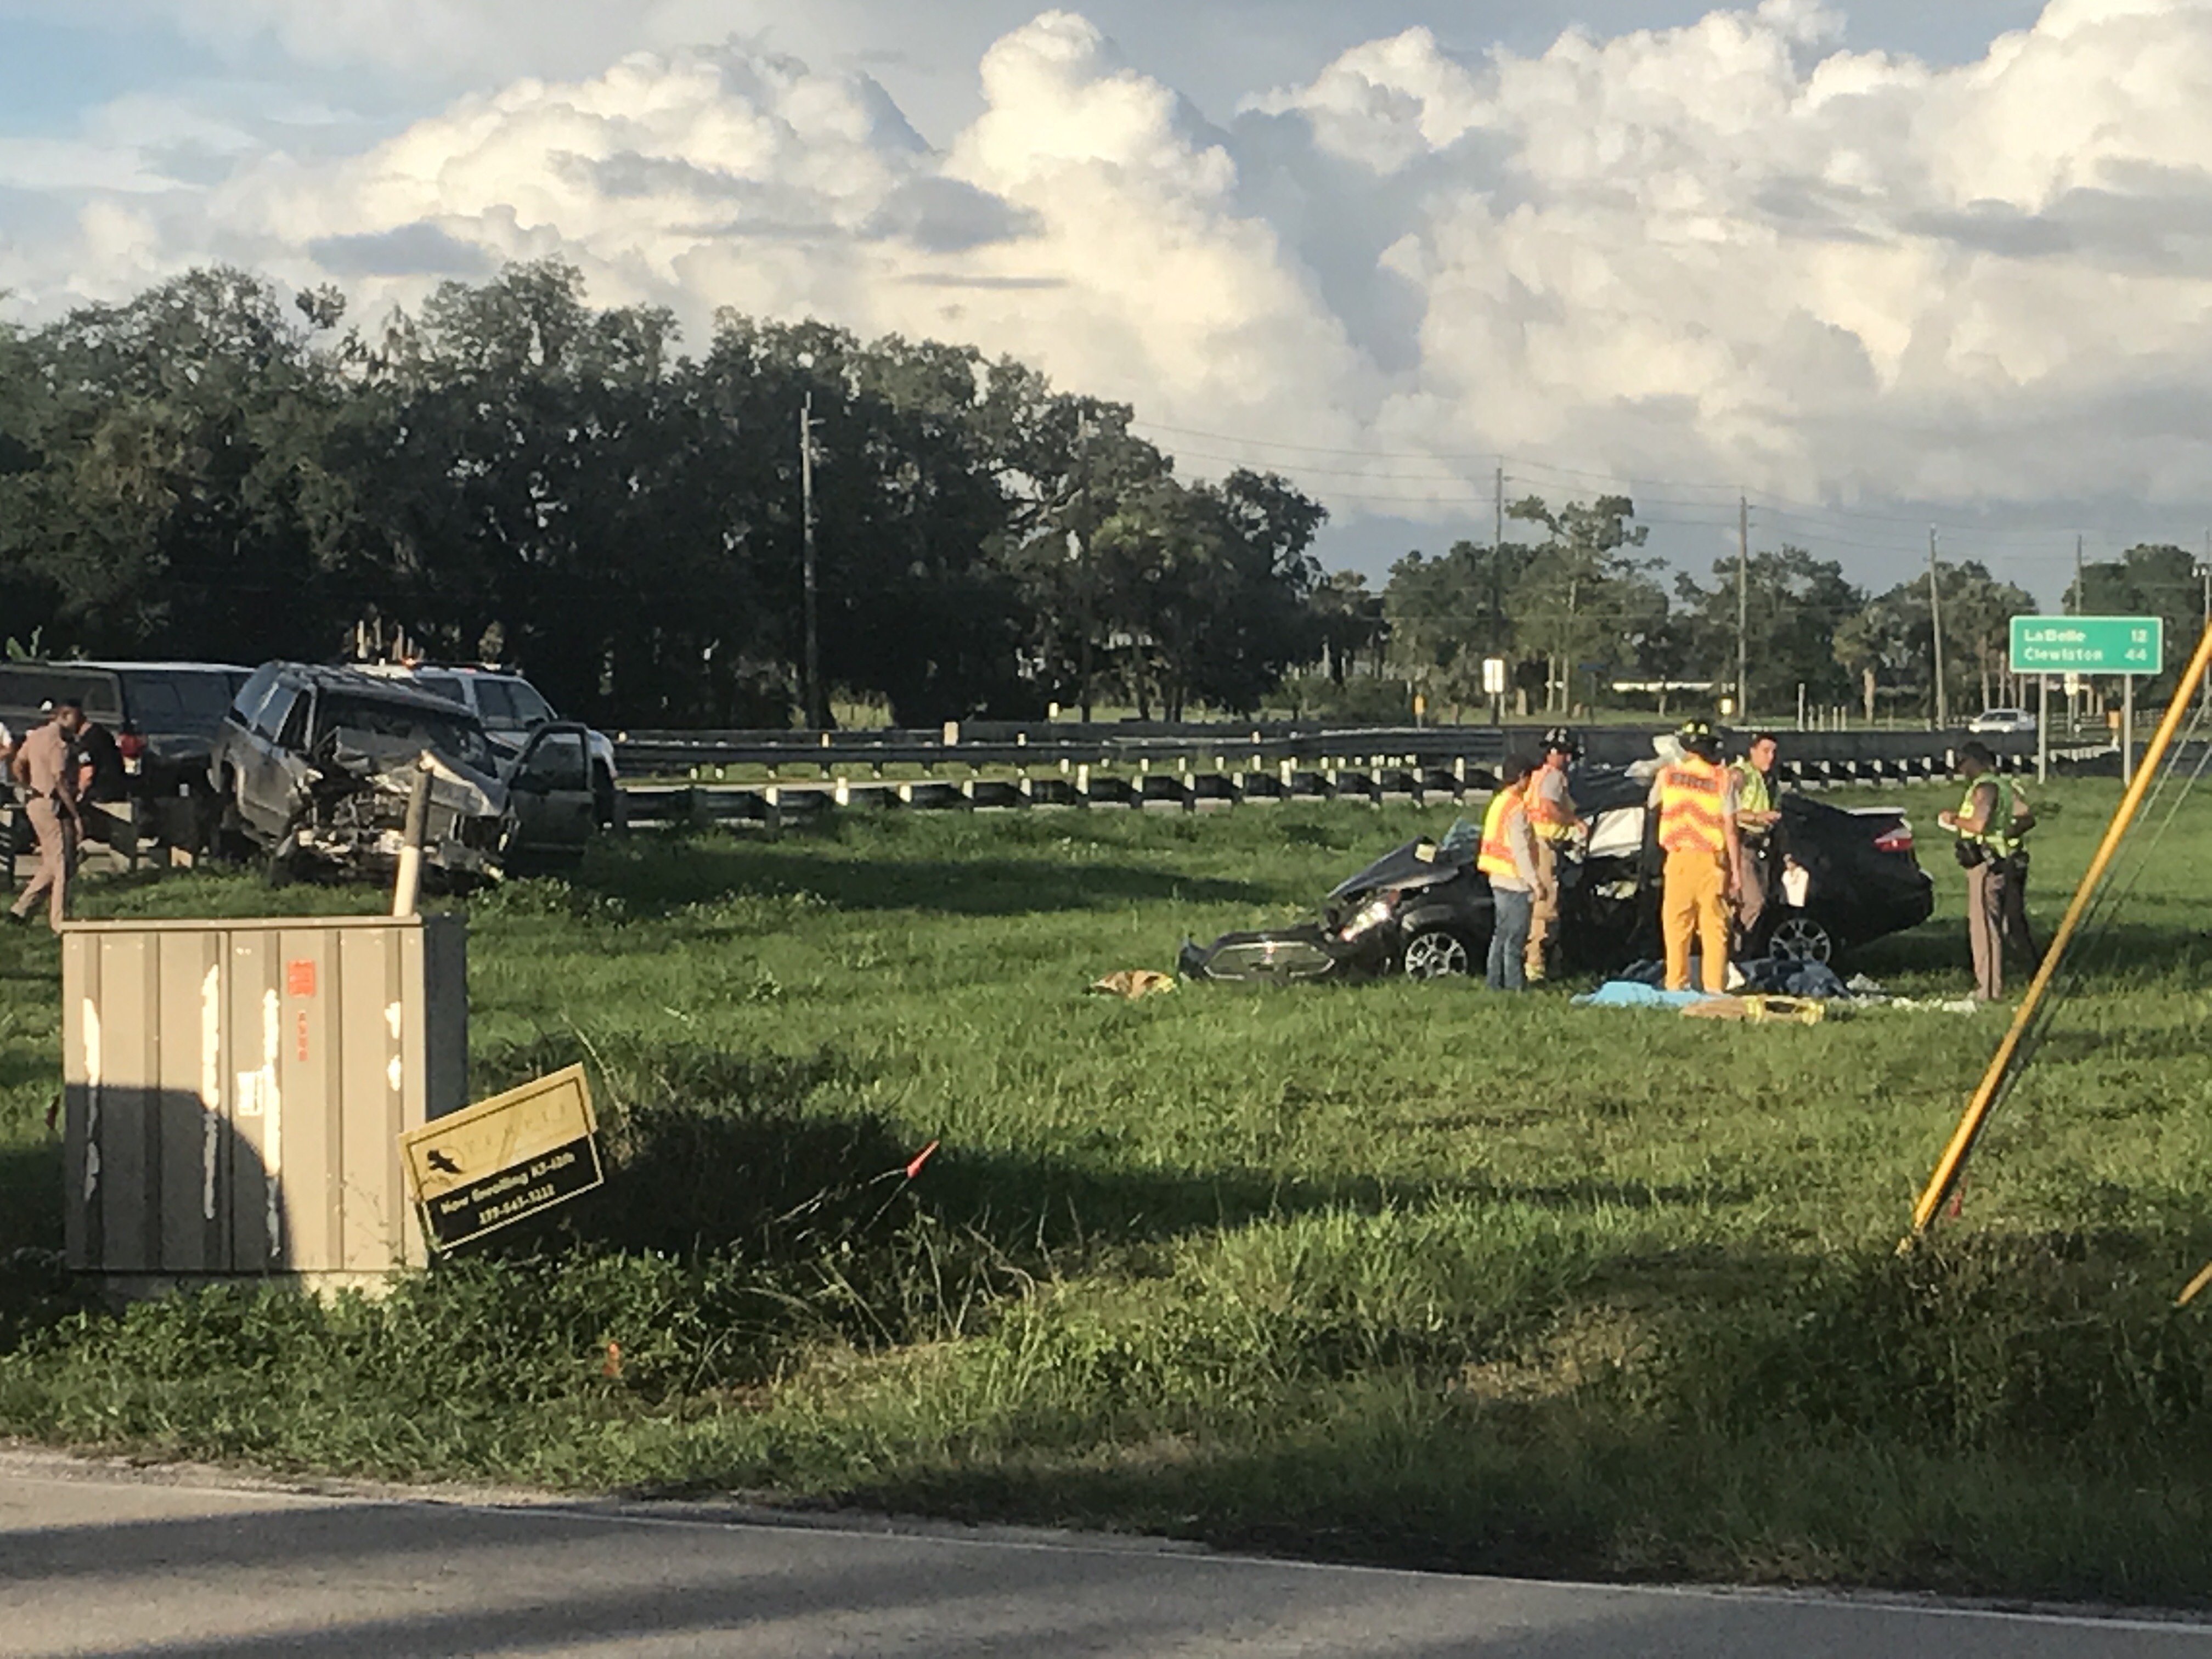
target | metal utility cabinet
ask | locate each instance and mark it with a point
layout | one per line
(235, 1091)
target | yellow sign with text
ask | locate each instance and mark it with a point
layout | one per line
(503, 1159)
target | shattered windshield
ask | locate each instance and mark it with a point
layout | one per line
(401, 726)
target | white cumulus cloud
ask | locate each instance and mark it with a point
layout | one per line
(1736, 249)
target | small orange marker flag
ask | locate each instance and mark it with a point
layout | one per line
(921, 1158)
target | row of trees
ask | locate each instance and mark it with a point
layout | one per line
(208, 471)
(1576, 609)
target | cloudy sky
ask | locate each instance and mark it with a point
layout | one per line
(1877, 267)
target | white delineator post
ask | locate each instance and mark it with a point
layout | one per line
(2043, 728)
(407, 887)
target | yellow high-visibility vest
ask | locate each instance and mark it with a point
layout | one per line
(1692, 807)
(1496, 857)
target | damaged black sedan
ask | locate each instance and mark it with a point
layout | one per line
(1846, 877)
(315, 768)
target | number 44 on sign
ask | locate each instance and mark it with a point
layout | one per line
(2088, 645)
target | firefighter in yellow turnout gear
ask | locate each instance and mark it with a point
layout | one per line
(1554, 821)
(1694, 801)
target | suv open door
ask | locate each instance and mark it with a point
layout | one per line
(549, 792)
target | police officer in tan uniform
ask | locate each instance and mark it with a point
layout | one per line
(1756, 811)
(1554, 821)
(43, 765)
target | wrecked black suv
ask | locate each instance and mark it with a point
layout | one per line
(315, 767)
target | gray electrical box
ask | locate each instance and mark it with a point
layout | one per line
(235, 1091)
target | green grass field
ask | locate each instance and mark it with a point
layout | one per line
(1409, 1273)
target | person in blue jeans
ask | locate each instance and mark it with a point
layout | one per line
(1508, 860)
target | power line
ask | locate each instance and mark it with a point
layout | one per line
(1772, 503)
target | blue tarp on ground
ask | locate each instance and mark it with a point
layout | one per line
(1631, 994)
(1776, 976)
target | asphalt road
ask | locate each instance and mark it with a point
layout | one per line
(98, 1560)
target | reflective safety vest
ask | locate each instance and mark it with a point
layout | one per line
(1552, 820)
(1692, 807)
(1752, 795)
(1496, 857)
(1998, 836)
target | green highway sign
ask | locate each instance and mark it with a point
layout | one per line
(2088, 645)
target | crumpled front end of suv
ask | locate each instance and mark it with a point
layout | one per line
(355, 818)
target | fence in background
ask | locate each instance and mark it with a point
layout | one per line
(1104, 768)
(680, 777)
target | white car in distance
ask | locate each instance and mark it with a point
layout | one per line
(511, 707)
(2003, 722)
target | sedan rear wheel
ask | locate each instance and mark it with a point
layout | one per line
(1801, 938)
(1437, 953)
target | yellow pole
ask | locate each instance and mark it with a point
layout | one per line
(2189, 1291)
(1978, 1108)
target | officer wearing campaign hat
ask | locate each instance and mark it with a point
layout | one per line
(1694, 801)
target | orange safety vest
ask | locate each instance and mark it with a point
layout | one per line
(1551, 820)
(1693, 797)
(1496, 857)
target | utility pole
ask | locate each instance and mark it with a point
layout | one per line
(817, 712)
(1936, 621)
(2080, 600)
(2205, 696)
(1498, 565)
(1085, 572)
(1743, 610)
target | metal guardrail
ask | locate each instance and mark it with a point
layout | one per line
(119, 836)
(703, 757)
(1192, 788)
(663, 754)
(829, 754)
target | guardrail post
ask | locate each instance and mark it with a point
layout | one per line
(1083, 786)
(843, 795)
(772, 810)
